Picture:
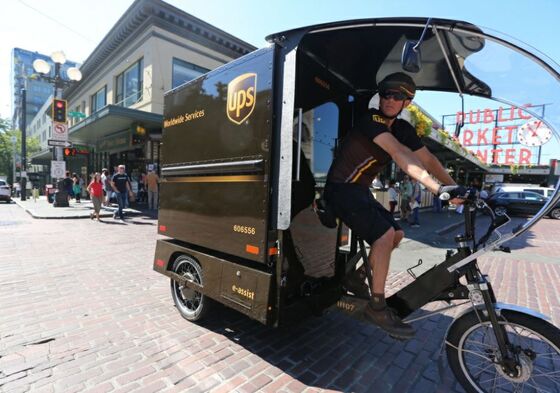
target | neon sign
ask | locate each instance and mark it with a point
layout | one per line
(498, 134)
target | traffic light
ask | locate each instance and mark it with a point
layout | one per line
(59, 110)
(69, 151)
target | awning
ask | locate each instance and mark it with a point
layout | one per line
(42, 157)
(110, 120)
(446, 152)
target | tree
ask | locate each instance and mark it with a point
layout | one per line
(7, 149)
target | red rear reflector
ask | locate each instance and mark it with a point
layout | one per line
(272, 251)
(251, 249)
(162, 228)
(160, 263)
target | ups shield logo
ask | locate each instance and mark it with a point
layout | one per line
(241, 97)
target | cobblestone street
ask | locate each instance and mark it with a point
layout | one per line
(82, 310)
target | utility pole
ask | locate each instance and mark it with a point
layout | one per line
(23, 176)
(14, 144)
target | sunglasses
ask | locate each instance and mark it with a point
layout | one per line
(395, 95)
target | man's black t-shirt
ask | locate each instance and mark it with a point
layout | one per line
(120, 181)
(359, 159)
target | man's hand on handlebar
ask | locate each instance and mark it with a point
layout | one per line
(454, 194)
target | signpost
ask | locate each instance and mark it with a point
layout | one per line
(58, 169)
(60, 131)
(56, 142)
(80, 115)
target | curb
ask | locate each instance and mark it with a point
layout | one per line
(107, 214)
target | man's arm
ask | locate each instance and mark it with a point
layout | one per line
(113, 186)
(433, 166)
(406, 160)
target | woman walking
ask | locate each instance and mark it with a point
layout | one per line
(76, 187)
(95, 189)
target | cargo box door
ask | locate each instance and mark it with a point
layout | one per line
(216, 158)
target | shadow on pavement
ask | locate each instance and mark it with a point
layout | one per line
(438, 230)
(112, 222)
(339, 353)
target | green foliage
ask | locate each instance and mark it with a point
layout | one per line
(7, 149)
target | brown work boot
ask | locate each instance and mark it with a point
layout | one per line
(355, 282)
(387, 320)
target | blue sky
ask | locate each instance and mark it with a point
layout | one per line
(77, 26)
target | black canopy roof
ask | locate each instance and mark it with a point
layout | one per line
(362, 52)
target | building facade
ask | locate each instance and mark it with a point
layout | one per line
(38, 91)
(153, 48)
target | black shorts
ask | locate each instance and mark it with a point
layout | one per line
(355, 205)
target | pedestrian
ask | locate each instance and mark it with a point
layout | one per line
(95, 189)
(17, 188)
(120, 182)
(67, 184)
(76, 187)
(152, 180)
(406, 193)
(107, 188)
(415, 203)
(393, 196)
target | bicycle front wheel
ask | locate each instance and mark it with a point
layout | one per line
(474, 357)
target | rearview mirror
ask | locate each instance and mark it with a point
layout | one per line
(411, 59)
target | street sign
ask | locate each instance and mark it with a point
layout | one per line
(60, 131)
(58, 169)
(81, 115)
(56, 142)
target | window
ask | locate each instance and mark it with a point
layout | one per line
(318, 138)
(99, 99)
(183, 72)
(129, 85)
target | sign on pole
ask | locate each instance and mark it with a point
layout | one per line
(58, 169)
(60, 131)
(55, 142)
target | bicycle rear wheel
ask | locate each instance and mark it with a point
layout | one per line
(474, 357)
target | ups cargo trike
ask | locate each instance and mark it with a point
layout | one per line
(246, 148)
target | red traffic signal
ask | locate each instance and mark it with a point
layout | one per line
(69, 151)
(59, 110)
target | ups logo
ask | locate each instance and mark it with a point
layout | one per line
(241, 97)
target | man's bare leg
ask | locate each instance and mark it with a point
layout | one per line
(380, 272)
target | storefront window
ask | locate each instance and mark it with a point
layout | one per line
(183, 72)
(99, 99)
(129, 85)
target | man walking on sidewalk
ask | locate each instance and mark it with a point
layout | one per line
(121, 185)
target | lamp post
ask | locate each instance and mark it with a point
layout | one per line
(43, 68)
(14, 141)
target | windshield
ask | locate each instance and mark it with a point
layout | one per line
(529, 93)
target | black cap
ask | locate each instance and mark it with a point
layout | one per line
(399, 81)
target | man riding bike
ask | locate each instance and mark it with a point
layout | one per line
(377, 138)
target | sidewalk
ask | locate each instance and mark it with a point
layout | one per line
(42, 209)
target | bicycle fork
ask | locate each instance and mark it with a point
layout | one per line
(481, 293)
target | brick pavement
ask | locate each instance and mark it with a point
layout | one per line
(96, 318)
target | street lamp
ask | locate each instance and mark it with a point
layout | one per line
(14, 141)
(44, 68)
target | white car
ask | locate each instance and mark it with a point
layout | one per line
(5, 192)
(544, 191)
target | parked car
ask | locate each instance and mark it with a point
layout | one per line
(5, 192)
(520, 202)
(544, 191)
